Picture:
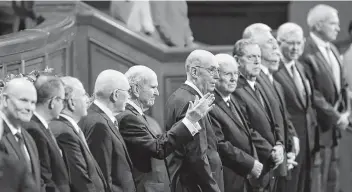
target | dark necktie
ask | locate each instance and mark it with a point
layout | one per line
(259, 95)
(234, 111)
(21, 143)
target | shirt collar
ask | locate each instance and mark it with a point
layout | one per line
(265, 70)
(73, 122)
(318, 41)
(139, 110)
(107, 111)
(42, 120)
(227, 98)
(194, 87)
(251, 83)
(289, 66)
(11, 127)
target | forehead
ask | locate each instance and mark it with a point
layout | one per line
(209, 61)
(28, 93)
(294, 36)
(331, 17)
(251, 49)
(229, 66)
(152, 79)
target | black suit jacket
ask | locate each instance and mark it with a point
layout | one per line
(109, 149)
(259, 118)
(83, 170)
(190, 166)
(14, 176)
(52, 166)
(236, 143)
(10, 146)
(302, 113)
(326, 96)
(143, 145)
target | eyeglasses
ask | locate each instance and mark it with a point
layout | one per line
(127, 90)
(211, 70)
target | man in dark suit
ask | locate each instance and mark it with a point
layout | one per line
(142, 142)
(83, 170)
(323, 65)
(236, 146)
(50, 97)
(14, 177)
(102, 133)
(18, 105)
(255, 106)
(197, 165)
(269, 64)
(298, 97)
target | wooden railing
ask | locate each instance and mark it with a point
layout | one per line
(89, 41)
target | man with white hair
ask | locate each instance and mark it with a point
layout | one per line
(322, 63)
(255, 29)
(236, 139)
(18, 105)
(84, 172)
(298, 96)
(196, 166)
(143, 143)
(102, 133)
(270, 60)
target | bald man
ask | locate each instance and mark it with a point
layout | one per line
(19, 99)
(143, 143)
(102, 133)
(196, 166)
(235, 136)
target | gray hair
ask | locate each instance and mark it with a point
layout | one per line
(71, 85)
(288, 28)
(224, 58)
(108, 81)
(254, 29)
(319, 13)
(197, 58)
(138, 74)
(238, 49)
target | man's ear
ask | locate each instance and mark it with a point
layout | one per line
(51, 103)
(70, 105)
(194, 72)
(135, 89)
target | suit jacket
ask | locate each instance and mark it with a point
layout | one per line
(302, 114)
(276, 99)
(190, 166)
(143, 145)
(14, 176)
(109, 149)
(236, 143)
(326, 96)
(10, 146)
(52, 166)
(83, 170)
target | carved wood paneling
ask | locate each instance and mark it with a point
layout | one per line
(171, 83)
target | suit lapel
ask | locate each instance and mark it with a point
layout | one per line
(140, 117)
(244, 122)
(30, 148)
(222, 105)
(113, 129)
(288, 79)
(12, 142)
(250, 91)
(321, 57)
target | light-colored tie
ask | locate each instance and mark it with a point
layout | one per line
(298, 82)
(335, 68)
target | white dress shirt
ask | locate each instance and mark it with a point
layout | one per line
(42, 120)
(72, 121)
(251, 84)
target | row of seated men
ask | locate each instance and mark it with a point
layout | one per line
(266, 118)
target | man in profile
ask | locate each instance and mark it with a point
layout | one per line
(143, 143)
(50, 98)
(85, 174)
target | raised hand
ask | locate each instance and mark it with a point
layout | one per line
(200, 107)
